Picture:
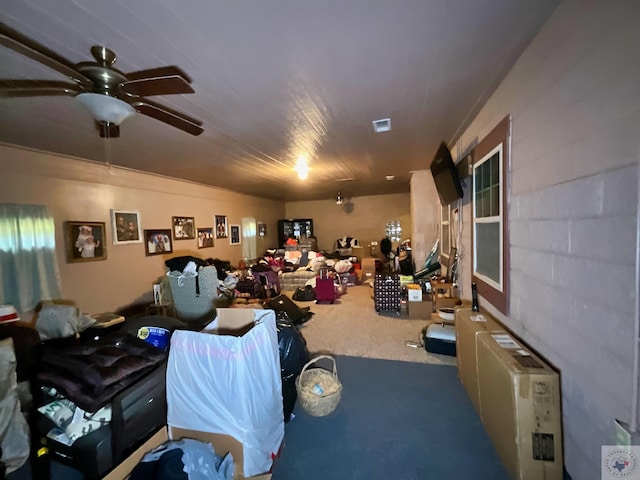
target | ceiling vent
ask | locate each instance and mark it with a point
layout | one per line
(382, 125)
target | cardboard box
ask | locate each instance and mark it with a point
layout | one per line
(468, 325)
(414, 293)
(368, 268)
(520, 407)
(368, 264)
(446, 302)
(234, 322)
(221, 443)
(420, 310)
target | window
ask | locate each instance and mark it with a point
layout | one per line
(28, 264)
(249, 247)
(490, 232)
(445, 230)
(393, 231)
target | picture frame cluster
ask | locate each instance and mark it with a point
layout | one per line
(87, 241)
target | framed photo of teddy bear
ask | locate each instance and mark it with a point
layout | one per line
(84, 241)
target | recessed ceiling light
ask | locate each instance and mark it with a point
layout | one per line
(302, 168)
(382, 125)
(390, 177)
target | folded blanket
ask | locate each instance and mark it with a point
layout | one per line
(92, 373)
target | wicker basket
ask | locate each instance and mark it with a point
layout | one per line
(318, 389)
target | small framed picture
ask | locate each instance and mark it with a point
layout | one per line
(235, 234)
(126, 227)
(262, 229)
(158, 242)
(221, 226)
(205, 237)
(85, 241)
(157, 294)
(184, 228)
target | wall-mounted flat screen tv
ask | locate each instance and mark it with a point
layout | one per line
(445, 176)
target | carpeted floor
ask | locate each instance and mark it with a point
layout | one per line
(352, 327)
(395, 420)
(395, 416)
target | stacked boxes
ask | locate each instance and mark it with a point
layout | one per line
(516, 394)
(386, 293)
(444, 294)
(419, 305)
(414, 293)
(420, 310)
(520, 407)
(368, 268)
(468, 325)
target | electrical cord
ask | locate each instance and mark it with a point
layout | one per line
(412, 344)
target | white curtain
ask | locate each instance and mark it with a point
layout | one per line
(249, 238)
(29, 269)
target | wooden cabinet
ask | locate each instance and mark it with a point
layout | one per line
(295, 228)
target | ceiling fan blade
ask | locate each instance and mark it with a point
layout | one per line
(37, 88)
(168, 71)
(108, 130)
(169, 116)
(19, 43)
(160, 85)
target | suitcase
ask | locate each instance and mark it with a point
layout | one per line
(137, 413)
(325, 290)
(439, 338)
(282, 303)
(386, 293)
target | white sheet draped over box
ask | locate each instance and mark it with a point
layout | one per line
(228, 384)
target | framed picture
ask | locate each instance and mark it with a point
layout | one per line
(158, 242)
(126, 227)
(184, 228)
(205, 237)
(262, 229)
(85, 241)
(221, 226)
(235, 234)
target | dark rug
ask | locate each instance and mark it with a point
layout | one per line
(394, 420)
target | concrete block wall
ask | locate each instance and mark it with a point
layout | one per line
(425, 216)
(574, 100)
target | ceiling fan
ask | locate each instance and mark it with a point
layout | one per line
(111, 95)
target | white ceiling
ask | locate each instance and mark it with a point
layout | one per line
(274, 80)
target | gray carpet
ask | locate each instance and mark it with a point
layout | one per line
(395, 420)
(352, 327)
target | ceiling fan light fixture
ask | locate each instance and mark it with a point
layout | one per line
(339, 199)
(105, 108)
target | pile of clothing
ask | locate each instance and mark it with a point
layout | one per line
(185, 459)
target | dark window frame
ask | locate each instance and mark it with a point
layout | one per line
(501, 134)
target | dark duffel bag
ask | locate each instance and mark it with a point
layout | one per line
(304, 294)
(249, 285)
